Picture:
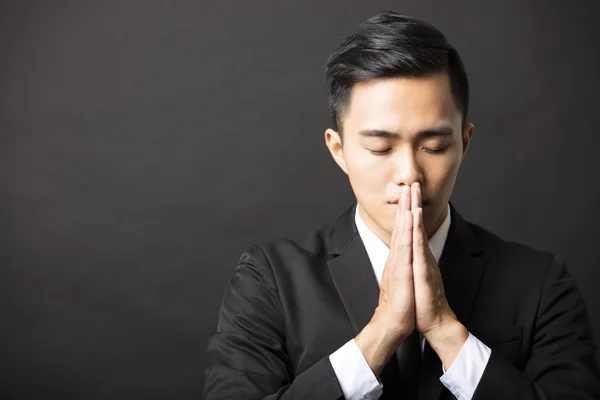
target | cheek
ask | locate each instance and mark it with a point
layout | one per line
(441, 171)
(366, 173)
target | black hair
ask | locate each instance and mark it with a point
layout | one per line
(390, 44)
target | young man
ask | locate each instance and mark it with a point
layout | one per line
(400, 298)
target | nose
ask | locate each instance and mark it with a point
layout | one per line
(406, 169)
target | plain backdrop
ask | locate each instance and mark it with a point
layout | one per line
(145, 144)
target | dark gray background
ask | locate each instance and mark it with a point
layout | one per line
(145, 144)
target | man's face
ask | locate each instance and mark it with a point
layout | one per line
(398, 131)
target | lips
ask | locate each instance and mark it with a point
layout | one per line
(424, 202)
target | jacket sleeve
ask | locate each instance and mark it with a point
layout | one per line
(562, 364)
(247, 357)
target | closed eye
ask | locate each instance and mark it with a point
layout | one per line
(436, 151)
(430, 151)
(380, 152)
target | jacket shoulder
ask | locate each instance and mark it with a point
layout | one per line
(313, 245)
(509, 252)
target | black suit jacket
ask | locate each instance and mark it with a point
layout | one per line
(289, 305)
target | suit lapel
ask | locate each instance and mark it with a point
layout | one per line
(461, 264)
(356, 283)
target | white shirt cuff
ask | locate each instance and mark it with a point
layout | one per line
(463, 376)
(356, 379)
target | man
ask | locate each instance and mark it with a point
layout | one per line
(400, 298)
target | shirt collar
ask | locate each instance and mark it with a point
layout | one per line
(378, 251)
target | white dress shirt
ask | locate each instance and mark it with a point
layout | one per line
(352, 370)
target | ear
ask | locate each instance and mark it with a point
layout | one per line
(466, 139)
(336, 148)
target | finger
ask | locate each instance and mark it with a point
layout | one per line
(401, 241)
(395, 237)
(404, 202)
(420, 243)
(416, 197)
(404, 244)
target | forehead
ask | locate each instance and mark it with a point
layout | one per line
(401, 104)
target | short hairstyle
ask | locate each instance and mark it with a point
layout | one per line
(390, 44)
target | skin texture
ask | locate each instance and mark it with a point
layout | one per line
(418, 172)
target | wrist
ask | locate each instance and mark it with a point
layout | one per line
(447, 339)
(377, 344)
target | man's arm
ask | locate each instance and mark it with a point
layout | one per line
(246, 358)
(562, 362)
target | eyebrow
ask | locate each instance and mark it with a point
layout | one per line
(443, 131)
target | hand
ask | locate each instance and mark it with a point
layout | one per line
(396, 293)
(434, 318)
(394, 317)
(431, 305)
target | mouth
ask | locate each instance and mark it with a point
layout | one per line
(424, 202)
